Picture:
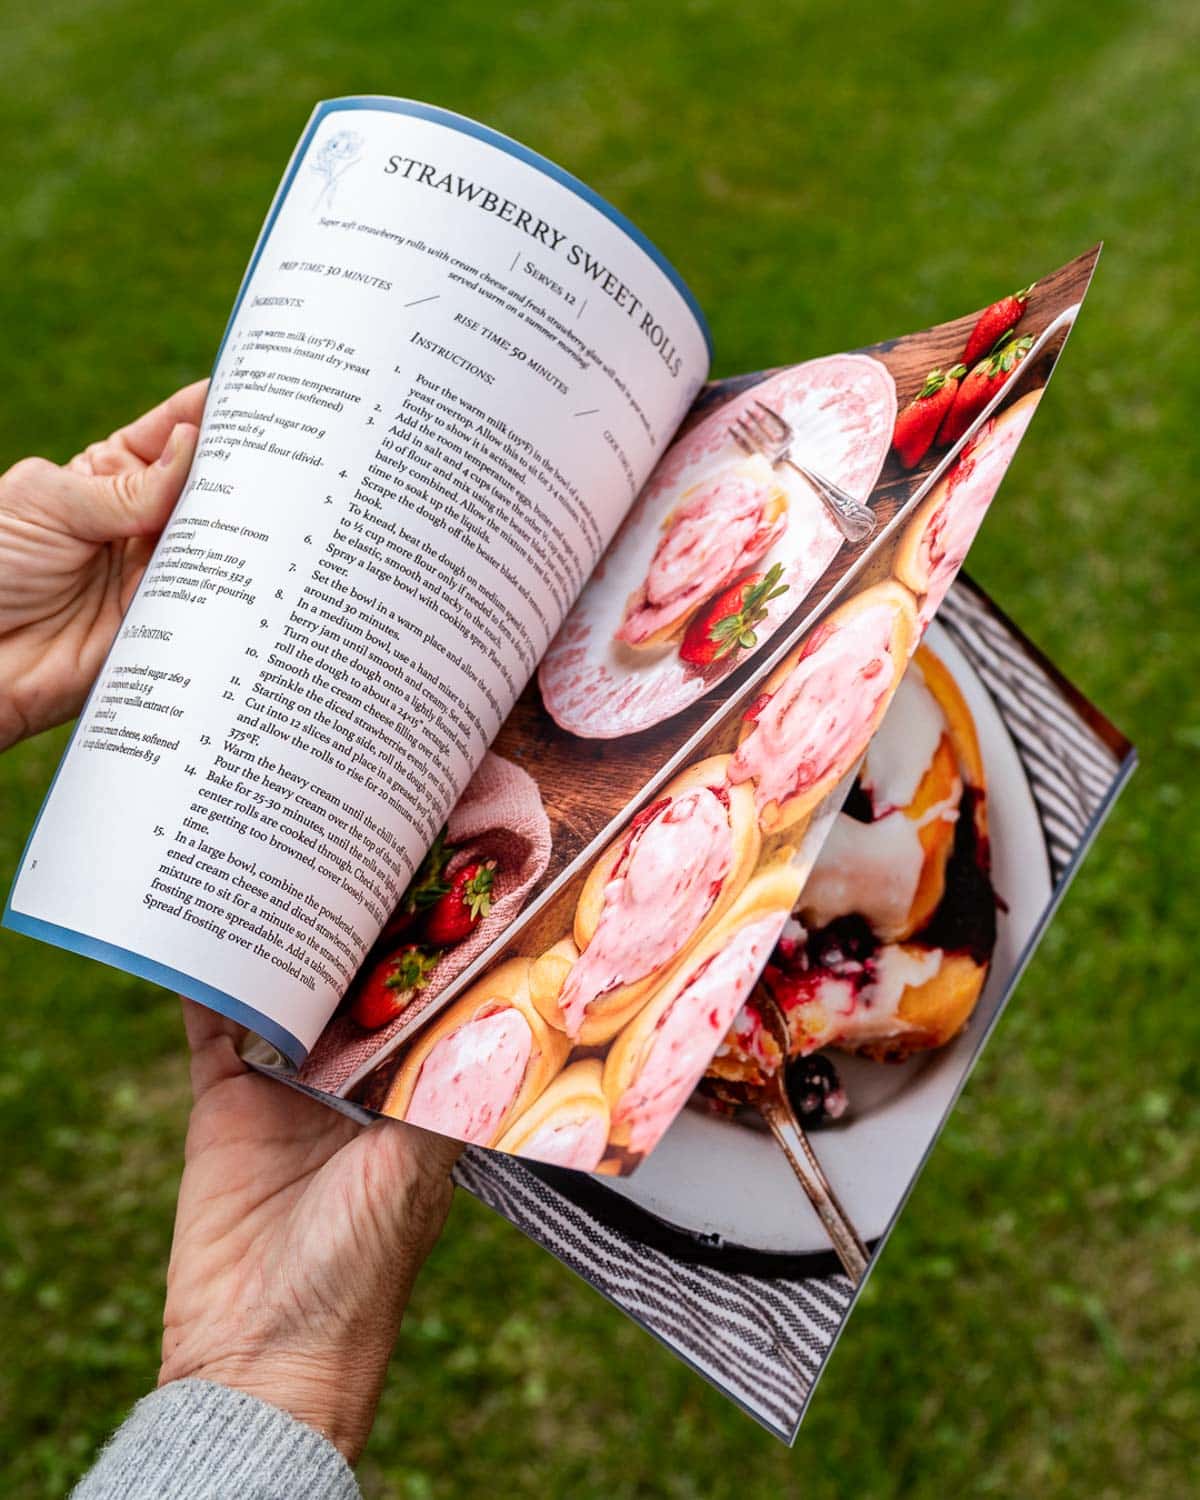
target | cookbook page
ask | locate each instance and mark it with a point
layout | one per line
(608, 890)
(449, 370)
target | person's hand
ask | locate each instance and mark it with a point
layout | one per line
(298, 1237)
(74, 543)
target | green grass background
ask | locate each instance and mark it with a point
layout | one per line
(825, 174)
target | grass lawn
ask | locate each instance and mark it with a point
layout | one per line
(824, 174)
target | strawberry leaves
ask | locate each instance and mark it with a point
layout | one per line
(738, 630)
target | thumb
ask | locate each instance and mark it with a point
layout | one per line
(135, 502)
(409, 1184)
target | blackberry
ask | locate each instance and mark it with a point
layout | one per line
(815, 1090)
(846, 938)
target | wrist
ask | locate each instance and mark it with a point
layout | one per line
(335, 1393)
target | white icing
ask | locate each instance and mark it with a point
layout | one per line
(904, 745)
(898, 968)
(946, 809)
(659, 893)
(869, 868)
(856, 1019)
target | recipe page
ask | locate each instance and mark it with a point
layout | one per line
(449, 371)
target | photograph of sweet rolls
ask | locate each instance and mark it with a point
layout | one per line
(658, 887)
(894, 929)
(481, 1062)
(818, 709)
(642, 964)
(672, 923)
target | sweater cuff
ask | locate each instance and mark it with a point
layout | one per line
(196, 1440)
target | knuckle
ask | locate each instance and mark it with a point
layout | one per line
(29, 473)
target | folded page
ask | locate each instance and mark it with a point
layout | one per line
(602, 904)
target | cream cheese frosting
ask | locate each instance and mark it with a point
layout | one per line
(657, 896)
(969, 488)
(722, 526)
(690, 1030)
(577, 1143)
(817, 718)
(470, 1078)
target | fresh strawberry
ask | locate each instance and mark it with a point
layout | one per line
(978, 388)
(917, 424)
(425, 888)
(457, 913)
(391, 985)
(994, 322)
(726, 623)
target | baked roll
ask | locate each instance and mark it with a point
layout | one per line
(479, 1064)
(658, 1059)
(933, 547)
(567, 1125)
(655, 891)
(721, 527)
(822, 704)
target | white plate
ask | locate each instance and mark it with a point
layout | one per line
(713, 1176)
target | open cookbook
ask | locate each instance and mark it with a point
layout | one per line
(529, 739)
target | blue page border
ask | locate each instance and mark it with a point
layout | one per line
(148, 968)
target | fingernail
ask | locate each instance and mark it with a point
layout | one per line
(170, 449)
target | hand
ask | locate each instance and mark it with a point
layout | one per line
(298, 1237)
(74, 543)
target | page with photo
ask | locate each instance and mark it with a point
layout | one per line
(906, 942)
(605, 897)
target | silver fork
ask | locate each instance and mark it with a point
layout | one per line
(764, 431)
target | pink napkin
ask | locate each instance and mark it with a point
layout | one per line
(500, 817)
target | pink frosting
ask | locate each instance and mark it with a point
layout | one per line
(969, 489)
(817, 719)
(658, 894)
(575, 1143)
(471, 1077)
(715, 535)
(690, 1030)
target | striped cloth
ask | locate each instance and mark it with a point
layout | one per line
(762, 1339)
(1071, 768)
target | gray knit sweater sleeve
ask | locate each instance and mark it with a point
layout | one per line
(194, 1440)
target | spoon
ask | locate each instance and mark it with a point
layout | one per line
(771, 1100)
